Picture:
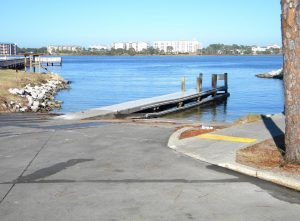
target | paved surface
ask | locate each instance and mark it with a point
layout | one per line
(107, 171)
(220, 147)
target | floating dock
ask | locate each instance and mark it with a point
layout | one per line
(160, 105)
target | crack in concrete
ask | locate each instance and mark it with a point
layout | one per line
(24, 181)
(28, 165)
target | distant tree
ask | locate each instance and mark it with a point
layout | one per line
(169, 49)
(131, 52)
(162, 52)
(151, 50)
(248, 50)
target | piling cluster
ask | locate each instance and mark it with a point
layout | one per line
(40, 98)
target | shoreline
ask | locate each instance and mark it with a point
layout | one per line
(30, 92)
(140, 55)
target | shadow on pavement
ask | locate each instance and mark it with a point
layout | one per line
(276, 133)
(276, 191)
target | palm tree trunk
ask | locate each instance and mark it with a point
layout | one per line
(290, 24)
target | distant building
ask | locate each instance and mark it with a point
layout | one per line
(273, 47)
(258, 49)
(8, 49)
(142, 46)
(119, 45)
(178, 46)
(137, 46)
(60, 48)
(99, 47)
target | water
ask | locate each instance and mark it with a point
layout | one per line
(101, 81)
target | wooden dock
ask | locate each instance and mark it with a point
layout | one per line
(49, 60)
(16, 63)
(33, 61)
(160, 105)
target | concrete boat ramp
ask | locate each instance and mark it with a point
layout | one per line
(160, 105)
(150, 107)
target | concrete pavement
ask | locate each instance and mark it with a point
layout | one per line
(220, 147)
(56, 170)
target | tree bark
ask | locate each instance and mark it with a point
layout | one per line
(290, 25)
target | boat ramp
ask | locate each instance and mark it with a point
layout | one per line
(160, 105)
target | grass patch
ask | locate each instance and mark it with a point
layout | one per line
(13, 79)
(248, 119)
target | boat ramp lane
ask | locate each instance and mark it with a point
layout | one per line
(160, 105)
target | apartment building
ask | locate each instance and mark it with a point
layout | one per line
(257, 49)
(137, 46)
(178, 46)
(58, 48)
(99, 47)
(119, 45)
(8, 49)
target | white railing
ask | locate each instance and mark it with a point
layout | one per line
(48, 59)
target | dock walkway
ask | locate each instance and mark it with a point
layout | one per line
(160, 105)
(12, 63)
(140, 106)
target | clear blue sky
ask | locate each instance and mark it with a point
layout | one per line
(35, 23)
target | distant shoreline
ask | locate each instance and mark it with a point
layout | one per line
(141, 55)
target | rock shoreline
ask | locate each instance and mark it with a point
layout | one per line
(278, 74)
(39, 98)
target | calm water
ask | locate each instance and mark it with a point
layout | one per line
(102, 81)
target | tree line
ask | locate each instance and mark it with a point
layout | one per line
(212, 49)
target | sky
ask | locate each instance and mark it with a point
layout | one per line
(37, 23)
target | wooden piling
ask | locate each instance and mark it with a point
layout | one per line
(30, 64)
(214, 78)
(199, 83)
(183, 84)
(25, 63)
(226, 82)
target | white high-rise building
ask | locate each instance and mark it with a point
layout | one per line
(137, 46)
(119, 45)
(178, 46)
(58, 48)
(99, 47)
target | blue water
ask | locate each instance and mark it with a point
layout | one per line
(101, 81)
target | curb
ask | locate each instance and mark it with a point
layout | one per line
(282, 180)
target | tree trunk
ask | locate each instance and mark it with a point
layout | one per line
(290, 24)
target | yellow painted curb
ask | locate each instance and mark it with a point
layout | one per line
(226, 138)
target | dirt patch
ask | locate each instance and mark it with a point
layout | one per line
(267, 155)
(194, 132)
(197, 130)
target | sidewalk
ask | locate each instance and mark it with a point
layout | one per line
(220, 147)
